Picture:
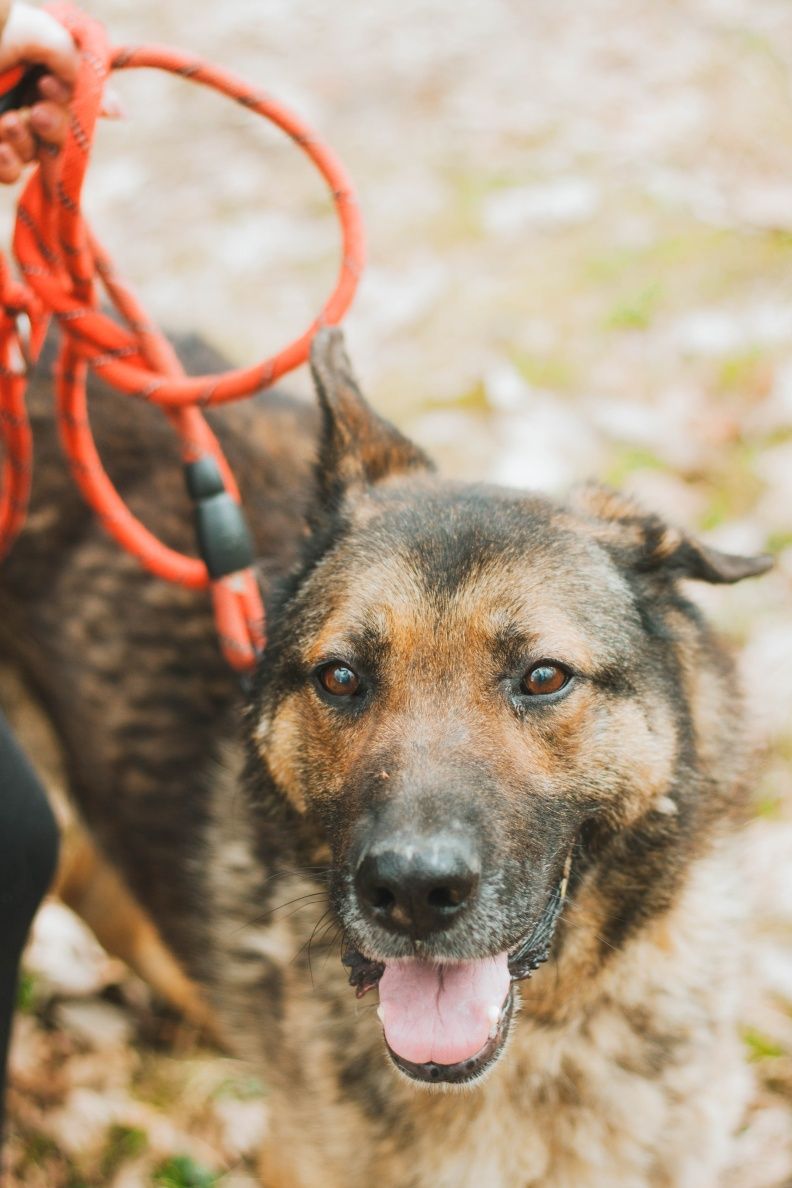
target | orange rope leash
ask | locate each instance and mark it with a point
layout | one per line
(63, 266)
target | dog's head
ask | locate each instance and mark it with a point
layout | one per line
(469, 689)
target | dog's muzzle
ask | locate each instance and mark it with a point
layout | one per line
(449, 1022)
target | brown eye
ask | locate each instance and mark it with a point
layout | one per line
(338, 679)
(543, 679)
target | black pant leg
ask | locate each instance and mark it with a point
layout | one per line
(28, 853)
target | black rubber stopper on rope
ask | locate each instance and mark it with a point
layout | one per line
(224, 540)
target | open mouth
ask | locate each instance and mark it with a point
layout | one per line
(442, 1023)
(470, 1068)
(449, 1022)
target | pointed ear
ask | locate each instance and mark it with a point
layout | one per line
(358, 448)
(646, 544)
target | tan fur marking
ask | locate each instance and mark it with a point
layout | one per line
(279, 750)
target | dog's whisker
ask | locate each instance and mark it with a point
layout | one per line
(298, 872)
(265, 916)
(295, 911)
(307, 945)
(330, 945)
(331, 927)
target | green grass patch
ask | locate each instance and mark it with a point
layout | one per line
(734, 486)
(183, 1172)
(761, 1047)
(769, 808)
(778, 541)
(123, 1143)
(740, 371)
(636, 311)
(468, 191)
(627, 461)
(26, 998)
(613, 265)
(472, 400)
(684, 265)
(552, 372)
(717, 512)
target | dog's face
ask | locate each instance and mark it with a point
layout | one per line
(463, 680)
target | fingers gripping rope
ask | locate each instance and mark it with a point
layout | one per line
(63, 267)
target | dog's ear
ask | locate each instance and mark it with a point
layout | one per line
(647, 544)
(357, 447)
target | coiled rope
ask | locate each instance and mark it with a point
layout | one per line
(64, 272)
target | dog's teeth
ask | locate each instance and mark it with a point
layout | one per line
(381, 1014)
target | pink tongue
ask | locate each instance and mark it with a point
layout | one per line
(442, 1013)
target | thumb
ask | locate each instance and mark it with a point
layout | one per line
(34, 37)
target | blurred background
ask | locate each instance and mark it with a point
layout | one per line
(580, 265)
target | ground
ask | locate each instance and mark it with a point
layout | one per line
(580, 242)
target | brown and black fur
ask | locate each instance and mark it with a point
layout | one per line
(238, 825)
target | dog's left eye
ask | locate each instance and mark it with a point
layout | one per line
(544, 678)
(338, 679)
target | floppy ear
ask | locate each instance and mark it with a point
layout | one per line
(646, 544)
(357, 447)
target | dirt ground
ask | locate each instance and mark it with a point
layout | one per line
(580, 246)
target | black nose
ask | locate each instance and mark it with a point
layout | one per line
(419, 887)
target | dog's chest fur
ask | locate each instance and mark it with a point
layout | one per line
(629, 1076)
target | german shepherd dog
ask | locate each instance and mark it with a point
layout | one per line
(489, 772)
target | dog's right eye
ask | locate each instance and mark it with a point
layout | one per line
(338, 679)
(544, 679)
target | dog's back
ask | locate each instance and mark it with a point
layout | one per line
(126, 666)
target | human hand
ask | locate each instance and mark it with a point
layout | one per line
(32, 37)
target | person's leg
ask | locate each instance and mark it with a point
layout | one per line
(28, 854)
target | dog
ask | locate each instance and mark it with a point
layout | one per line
(461, 870)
